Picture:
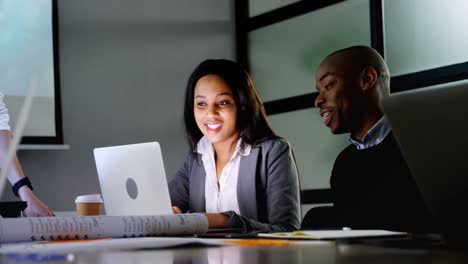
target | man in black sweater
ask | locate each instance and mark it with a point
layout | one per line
(371, 183)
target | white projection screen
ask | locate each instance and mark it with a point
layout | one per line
(29, 47)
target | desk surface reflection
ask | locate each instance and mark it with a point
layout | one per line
(321, 253)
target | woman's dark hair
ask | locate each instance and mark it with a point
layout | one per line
(251, 118)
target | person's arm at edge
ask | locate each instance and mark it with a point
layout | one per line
(35, 206)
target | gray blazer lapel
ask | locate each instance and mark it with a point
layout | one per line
(197, 187)
(247, 185)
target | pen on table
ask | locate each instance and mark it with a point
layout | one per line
(39, 257)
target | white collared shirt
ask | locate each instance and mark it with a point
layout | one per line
(4, 117)
(374, 136)
(225, 198)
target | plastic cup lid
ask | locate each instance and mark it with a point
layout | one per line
(90, 198)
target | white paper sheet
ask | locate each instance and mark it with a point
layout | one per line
(332, 234)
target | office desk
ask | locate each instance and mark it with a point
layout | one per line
(321, 253)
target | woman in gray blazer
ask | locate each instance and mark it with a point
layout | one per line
(238, 171)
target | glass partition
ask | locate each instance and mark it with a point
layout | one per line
(314, 146)
(258, 7)
(425, 34)
(284, 56)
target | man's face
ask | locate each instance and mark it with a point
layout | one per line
(340, 95)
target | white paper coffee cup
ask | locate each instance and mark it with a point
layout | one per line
(90, 204)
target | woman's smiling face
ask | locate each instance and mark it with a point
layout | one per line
(215, 110)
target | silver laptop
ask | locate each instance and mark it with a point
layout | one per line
(133, 180)
(431, 126)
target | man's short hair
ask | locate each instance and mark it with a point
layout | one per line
(363, 56)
